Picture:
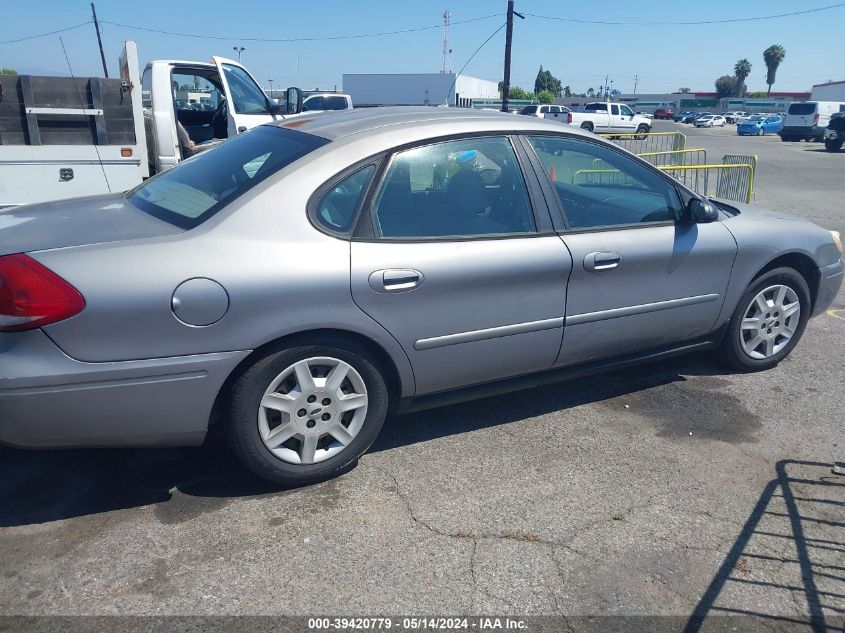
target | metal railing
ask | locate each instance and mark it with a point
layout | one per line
(728, 181)
(648, 141)
(677, 157)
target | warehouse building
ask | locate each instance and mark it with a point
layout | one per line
(433, 89)
(830, 91)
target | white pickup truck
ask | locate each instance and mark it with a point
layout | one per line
(62, 137)
(606, 117)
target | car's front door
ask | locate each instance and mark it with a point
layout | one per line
(641, 277)
(247, 104)
(626, 119)
(459, 262)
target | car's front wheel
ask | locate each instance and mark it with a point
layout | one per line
(305, 414)
(768, 321)
(832, 145)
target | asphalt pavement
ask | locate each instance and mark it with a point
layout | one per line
(676, 488)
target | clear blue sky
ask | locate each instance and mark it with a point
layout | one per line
(664, 57)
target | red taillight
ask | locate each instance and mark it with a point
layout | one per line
(816, 119)
(32, 296)
(569, 117)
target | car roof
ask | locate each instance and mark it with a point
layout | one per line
(340, 124)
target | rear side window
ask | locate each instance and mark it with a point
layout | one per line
(337, 208)
(192, 192)
(802, 108)
(335, 103)
(595, 107)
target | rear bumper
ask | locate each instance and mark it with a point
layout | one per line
(830, 280)
(48, 399)
(797, 131)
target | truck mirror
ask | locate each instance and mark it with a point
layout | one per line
(293, 100)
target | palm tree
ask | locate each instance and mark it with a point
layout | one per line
(773, 56)
(741, 69)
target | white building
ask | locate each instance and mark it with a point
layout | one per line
(831, 91)
(417, 89)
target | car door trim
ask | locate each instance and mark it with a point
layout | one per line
(488, 333)
(643, 308)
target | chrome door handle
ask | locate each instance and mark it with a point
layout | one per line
(598, 261)
(395, 280)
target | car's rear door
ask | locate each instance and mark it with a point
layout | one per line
(640, 279)
(456, 257)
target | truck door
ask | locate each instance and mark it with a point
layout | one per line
(247, 104)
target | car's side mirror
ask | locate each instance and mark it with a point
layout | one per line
(701, 211)
(293, 100)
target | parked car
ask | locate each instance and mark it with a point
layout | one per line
(808, 120)
(834, 135)
(732, 117)
(678, 118)
(710, 120)
(647, 115)
(691, 118)
(606, 117)
(540, 110)
(300, 281)
(760, 125)
(664, 113)
(320, 102)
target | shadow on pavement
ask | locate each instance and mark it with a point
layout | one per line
(791, 549)
(49, 485)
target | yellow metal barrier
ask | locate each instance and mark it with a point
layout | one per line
(733, 181)
(648, 141)
(676, 157)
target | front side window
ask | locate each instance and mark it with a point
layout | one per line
(337, 208)
(196, 189)
(599, 187)
(627, 111)
(466, 188)
(246, 96)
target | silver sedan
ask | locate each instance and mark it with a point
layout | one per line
(300, 281)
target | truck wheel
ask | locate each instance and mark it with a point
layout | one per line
(586, 125)
(833, 145)
(641, 132)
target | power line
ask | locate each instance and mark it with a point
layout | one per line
(692, 23)
(452, 87)
(296, 39)
(32, 37)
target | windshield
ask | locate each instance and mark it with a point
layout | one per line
(246, 97)
(192, 192)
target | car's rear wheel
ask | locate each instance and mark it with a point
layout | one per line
(305, 414)
(642, 130)
(587, 126)
(768, 321)
(761, 132)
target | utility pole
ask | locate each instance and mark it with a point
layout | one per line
(99, 40)
(506, 84)
(636, 81)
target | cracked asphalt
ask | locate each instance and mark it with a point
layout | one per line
(675, 488)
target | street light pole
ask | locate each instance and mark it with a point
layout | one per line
(270, 81)
(239, 49)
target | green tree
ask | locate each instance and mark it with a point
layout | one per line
(8, 71)
(773, 56)
(546, 81)
(741, 71)
(591, 92)
(684, 91)
(567, 91)
(518, 93)
(544, 96)
(725, 86)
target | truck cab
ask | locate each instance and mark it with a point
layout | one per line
(191, 106)
(607, 117)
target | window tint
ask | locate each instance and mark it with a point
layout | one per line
(460, 188)
(193, 191)
(627, 111)
(313, 103)
(532, 109)
(598, 186)
(246, 96)
(614, 109)
(335, 103)
(802, 108)
(337, 208)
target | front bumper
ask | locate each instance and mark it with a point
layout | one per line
(830, 280)
(48, 399)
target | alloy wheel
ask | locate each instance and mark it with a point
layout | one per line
(312, 410)
(769, 322)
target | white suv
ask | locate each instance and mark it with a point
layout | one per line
(541, 110)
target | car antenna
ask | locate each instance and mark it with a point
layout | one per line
(82, 104)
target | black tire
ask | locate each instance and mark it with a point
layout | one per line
(833, 146)
(642, 130)
(731, 351)
(586, 125)
(247, 391)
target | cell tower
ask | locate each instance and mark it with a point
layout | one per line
(447, 52)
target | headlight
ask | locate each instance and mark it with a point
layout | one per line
(837, 240)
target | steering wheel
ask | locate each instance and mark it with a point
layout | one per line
(219, 113)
